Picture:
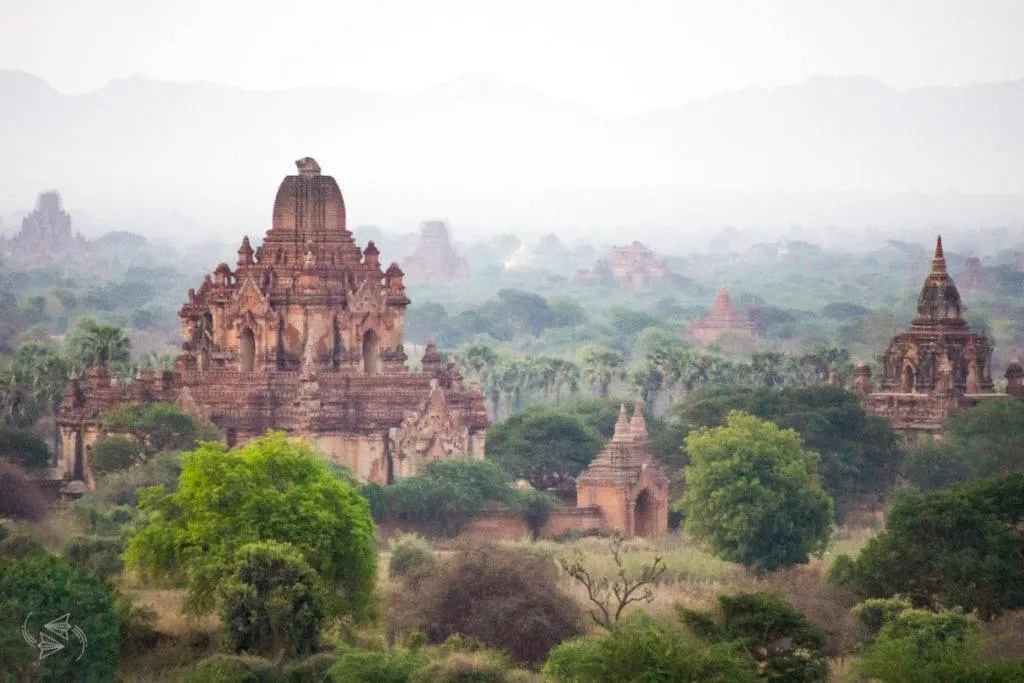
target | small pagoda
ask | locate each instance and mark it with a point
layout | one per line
(937, 366)
(626, 481)
(724, 318)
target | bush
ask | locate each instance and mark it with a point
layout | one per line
(921, 646)
(376, 666)
(137, 626)
(785, 645)
(49, 587)
(272, 603)
(957, 547)
(20, 498)
(114, 453)
(481, 666)
(101, 555)
(234, 668)
(505, 599)
(641, 649)
(875, 613)
(22, 448)
(17, 545)
(408, 552)
(312, 669)
(122, 487)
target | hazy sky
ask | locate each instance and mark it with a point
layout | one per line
(620, 57)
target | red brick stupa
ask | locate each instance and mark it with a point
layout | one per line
(723, 318)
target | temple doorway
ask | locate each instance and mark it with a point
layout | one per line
(644, 523)
(247, 351)
(370, 352)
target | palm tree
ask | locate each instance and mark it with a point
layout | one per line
(601, 366)
(92, 343)
(566, 374)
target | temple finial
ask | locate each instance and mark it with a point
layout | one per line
(939, 260)
(638, 425)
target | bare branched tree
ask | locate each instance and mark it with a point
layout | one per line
(611, 595)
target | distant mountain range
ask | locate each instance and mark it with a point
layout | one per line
(201, 158)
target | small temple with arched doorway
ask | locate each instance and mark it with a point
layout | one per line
(936, 367)
(304, 335)
(626, 481)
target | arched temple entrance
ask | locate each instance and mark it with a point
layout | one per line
(644, 522)
(247, 351)
(908, 379)
(370, 364)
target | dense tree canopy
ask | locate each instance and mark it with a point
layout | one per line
(159, 426)
(543, 446)
(859, 453)
(41, 588)
(271, 489)
(752, 494)
(955, 548)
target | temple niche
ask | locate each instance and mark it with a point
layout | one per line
(46, 233)
(935, 367)
(435, 257)
(725, 318)
(303, 335)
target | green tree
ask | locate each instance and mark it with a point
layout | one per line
(271, 489)
(955, 548)
(40, 588)
(272, 603)
(752, 494)
(544, 446)
(786, 646)
(860, 455)
(90, 343)
(159, 427)
(115, 453)
(444, 496)
(601, 367)
(642, 649)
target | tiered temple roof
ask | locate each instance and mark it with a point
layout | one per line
(303, 335)
(938, 365)
(723, 318)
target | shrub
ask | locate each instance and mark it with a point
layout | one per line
(137, 626)
(48, 587)
(122, 487)
(641, 649)
(505, 599)
(101, 555)
(272, 603)
(312, 669)
(482, 666)
(873, 614)
(376, 666)
(921, 646)
(22, 448)
(234, 668)
(785, 645)
(20, 498)
(408, 552)
(18, 545)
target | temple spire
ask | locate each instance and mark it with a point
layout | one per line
(638, 425)
(939, 260)
(622, 428)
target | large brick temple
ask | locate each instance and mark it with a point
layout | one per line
(937, 366)
(303, 335)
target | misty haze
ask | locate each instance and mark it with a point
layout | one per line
(582, 341)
